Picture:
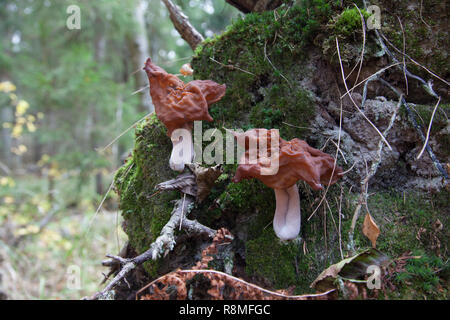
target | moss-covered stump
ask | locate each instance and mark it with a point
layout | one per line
(281, 72)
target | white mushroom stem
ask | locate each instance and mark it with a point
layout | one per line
(182, 149)
(286, 222)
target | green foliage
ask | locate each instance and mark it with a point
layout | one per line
(425, 273)
(146, 212)
(349, 21)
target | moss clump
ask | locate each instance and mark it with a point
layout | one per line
(426, 274)
(257, 52)
(425, 33)
(272, 260)
(349, 21)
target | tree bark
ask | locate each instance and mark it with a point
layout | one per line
(139, 52)
(247, 6)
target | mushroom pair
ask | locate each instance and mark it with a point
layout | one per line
(178, 105)
(296, 160)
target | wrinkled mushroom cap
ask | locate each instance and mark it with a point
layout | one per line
(297, 161)
(178, 104)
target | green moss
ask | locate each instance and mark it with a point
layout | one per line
(424, 32)
(144, 212)
(401, 216)
(261, 87)
(277, 264)
(349, 21)
(424, 113)
(424, 275)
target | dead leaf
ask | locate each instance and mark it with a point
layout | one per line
(184, 182)
(371, 230)
(438, 226)
(351, 268)
(205, 178)
(186, 69)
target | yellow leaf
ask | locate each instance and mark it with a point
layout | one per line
(44, 160)
(22, 148)
(8, 200)
(7, 181)
(21, 120)
(31, 127)
(22, 107)
(17, 131)
(7, 86)
(31, 229)
(371, 230)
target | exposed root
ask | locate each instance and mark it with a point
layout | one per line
(162, 245)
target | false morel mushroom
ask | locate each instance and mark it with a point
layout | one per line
(289, 161)
(178, 105)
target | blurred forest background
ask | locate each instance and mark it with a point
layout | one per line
(64, 96)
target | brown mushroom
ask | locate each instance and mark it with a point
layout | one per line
(178, 105)
(296, 160)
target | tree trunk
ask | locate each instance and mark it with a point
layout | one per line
(6, 116)
(283, 70)
(139, 52)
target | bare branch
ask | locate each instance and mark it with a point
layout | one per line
(373, 169)
(183, 26)
(161, 246)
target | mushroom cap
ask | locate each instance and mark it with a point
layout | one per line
(296, 160)
(178, 104)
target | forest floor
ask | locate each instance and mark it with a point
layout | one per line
(62, 260)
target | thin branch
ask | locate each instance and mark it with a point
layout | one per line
(404, 51)
(183, 26)
(231, 67)
(354, 103)
(414, 61)
(418, 128)
(255, 286)
(274, 68)
(335, 162)
(428, 131)
(370, 173)
(364, 43)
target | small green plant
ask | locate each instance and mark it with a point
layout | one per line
(349, 21)
(422, 273)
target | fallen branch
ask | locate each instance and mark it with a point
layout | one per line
(162, 245)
